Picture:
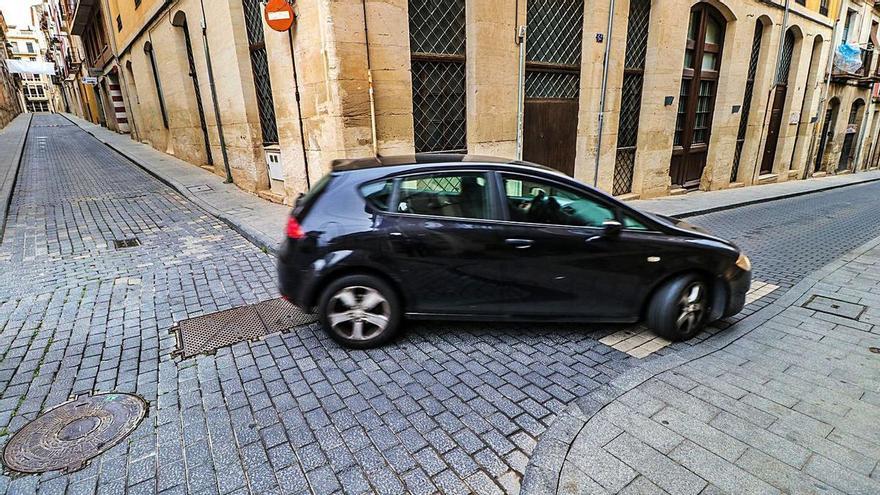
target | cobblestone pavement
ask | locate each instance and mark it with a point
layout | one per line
(790, 407)
(452, 408)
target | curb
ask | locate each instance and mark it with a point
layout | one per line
(7, 185)
(253, 236)
(715, 209)
(544, 469)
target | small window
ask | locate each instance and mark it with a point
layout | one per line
(378, 194)
(535, 201)
(137, 3)
(446, 195)
(119, 23)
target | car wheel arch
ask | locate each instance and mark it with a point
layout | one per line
(329, 278)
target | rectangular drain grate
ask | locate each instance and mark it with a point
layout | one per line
(126, 243)
(206, 334)
(835, 307)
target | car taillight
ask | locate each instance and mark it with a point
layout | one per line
(294, 230)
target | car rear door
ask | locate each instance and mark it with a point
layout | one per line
(559, 263)
(442, 232)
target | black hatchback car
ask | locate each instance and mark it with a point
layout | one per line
(466, 237)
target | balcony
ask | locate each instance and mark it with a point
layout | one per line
(866, 75)
(83, 12)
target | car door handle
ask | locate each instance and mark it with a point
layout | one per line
(519, 243)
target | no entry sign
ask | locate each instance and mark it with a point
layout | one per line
(279, 15)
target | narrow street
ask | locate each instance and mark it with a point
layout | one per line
(451, 407)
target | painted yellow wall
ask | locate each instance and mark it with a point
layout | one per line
(133, 18)
(91, 101)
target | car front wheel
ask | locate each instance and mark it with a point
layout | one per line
(360, 311)
(680, 309)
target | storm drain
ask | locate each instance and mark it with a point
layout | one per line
(835, 307)
(66, 437)
(126, 243)
(206, 334)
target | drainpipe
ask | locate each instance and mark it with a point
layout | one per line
(823, 103)
(370, 83)
(204, 25)
(302, 135)
(521, 91)
(604, 90)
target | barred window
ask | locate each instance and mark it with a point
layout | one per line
(747, 99)
(437, 41)
(253, 18)
(631, 98)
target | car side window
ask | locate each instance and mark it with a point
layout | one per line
(631, 223)
(378, 194)
(454, 194)
(532, 200)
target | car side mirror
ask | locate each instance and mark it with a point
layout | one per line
(612, 228)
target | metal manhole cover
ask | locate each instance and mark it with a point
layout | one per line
(126, 243)
(66, 437)
(835, 307)
(205, 334)
(279, 315)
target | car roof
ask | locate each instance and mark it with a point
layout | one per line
(429, 159)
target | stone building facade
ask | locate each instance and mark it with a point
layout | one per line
(730, 97)
(847, 141)
(10, 106)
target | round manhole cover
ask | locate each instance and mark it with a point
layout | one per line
(67, 436)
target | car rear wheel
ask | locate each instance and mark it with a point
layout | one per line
(360, 311)
(680, 309)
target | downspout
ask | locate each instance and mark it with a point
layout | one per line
(823, 103)
(370, 83)
(302, 135)
(214, 95)
(521, 91)
(605, 64)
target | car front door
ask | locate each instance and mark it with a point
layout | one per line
(560, 262)
(442, 233)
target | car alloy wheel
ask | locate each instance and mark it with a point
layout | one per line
(358, 313)
(692, 308)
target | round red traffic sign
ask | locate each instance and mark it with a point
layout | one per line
(279, 15)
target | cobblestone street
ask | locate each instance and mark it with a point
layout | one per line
(455, 408)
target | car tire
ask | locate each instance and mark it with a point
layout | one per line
(679, 310)
(360, 311)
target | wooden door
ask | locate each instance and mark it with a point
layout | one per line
(773, 129)
(827, 131)
(550, 133)
(696, 103)
(552, 82)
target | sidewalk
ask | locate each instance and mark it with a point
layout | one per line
(12, 139)
(261, 222)
(787, 401)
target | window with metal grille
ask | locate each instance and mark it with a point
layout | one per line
(631, 97)
(787, 53)
(253, 18)
(553, 48)
(437, 42)
(747, 99)
(823, 7)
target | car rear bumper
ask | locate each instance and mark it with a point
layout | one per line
(293, 281)
(739, 286)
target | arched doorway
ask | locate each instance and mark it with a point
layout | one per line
(696, 104)
(827, 132)
(779, 96)
(851, 135)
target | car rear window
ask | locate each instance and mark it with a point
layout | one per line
(305, 201)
